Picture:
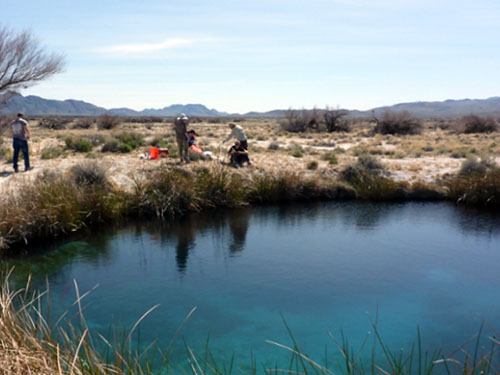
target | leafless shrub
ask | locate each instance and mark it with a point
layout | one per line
(297, 121)
(5, 123)
(401, 123)
(144, 119)
(478, 124)
(84, 123)
(108, 122)
(54, 123)
(335, 121)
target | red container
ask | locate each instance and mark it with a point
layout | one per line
(153, 153)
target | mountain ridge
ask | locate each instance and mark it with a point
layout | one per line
(35, 105)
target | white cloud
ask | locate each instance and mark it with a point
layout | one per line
(147, 47)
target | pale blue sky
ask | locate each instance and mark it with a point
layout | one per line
(238, 56)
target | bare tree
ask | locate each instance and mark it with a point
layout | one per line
(23, 62)
(334, 120)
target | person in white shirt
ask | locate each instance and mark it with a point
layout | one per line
(237, 133)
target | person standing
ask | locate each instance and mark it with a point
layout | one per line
(238, 133)
(20, 137)
(181, 123)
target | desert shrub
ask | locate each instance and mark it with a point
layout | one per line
(300, 121)
(90, 173)
(108, 122)
(463, 152)
(134, 140)
(79, 144)
(478, 124)
(364, 169)
(475, 166)
(110, 146)
(51, 153)
(296, 151)
(123, 143)
(217, 120)
(194, 156)
(273, 146)
(6, 154)
(335, 121)
(144, 119)
(400, 123)
(312, 165)
(84, 123)
(54, 123)
(330, 156)
(159, 141)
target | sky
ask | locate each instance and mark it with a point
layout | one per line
(240, 56)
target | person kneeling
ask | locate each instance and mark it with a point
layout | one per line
(238, 155)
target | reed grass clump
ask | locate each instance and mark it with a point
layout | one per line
(287, 186)
(477, 183)
(370, 180)
(56, 203)
(165, 193)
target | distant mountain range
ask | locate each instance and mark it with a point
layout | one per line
(35, 105)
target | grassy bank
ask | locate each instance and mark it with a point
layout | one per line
(55, 203)
(33, 342)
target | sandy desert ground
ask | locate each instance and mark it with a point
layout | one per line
(426, 157)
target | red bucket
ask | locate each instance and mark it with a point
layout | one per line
(153, 153)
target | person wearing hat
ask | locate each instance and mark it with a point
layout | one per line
(193, 146)
(180, 127)
(20, 136)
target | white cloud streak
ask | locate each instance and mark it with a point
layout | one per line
(148, 47)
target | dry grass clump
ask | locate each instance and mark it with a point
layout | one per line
(400, 123)
(24, 348)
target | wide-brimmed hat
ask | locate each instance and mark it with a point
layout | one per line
(182, 116)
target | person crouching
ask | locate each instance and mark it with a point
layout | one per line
(238, 155)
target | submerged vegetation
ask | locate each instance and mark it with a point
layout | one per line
(33, 342)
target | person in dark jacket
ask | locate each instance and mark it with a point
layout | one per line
(238, 155)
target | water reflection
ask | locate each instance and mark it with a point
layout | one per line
(229, 231)
(239, 228)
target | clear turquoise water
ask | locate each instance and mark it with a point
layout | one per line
(323, 267)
